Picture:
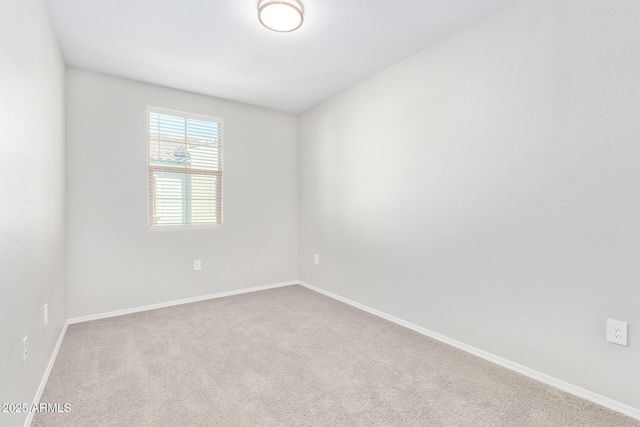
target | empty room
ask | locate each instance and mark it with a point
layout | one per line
(320, 213)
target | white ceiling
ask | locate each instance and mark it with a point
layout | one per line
(218, 47)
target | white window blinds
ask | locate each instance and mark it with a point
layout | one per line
(185, 170)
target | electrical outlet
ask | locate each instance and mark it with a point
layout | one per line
(45, 314)
(316, 259)
(617, 332)
(25, 349)
(197, 265)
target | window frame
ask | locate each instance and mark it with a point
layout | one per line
(151, 169)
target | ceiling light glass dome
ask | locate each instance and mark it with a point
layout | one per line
(281, 15)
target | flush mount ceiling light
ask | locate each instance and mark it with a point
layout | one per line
(281, 15)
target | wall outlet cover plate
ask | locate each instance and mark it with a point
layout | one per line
(617, 332)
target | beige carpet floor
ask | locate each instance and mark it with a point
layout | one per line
(288, 357)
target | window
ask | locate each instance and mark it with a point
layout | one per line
(185, 170)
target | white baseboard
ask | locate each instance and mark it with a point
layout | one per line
(539, 376)
(45, 377)
(176, 302)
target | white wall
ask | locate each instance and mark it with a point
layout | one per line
(114, 261)
(488, 189)
(32, 204)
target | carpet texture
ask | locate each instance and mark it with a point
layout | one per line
(288, 357)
